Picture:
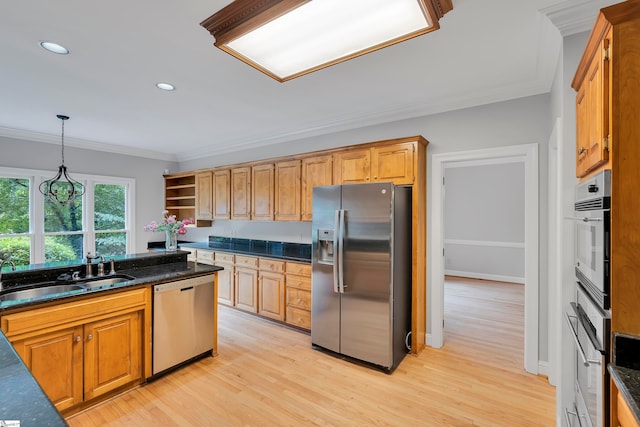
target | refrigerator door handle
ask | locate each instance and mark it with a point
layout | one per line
(336, 246)
(341, 252)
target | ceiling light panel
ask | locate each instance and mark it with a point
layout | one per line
(315, 34)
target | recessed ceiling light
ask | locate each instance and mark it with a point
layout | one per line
(165, 86)
(55, 48)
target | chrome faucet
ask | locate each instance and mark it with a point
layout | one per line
(13, 268)
(89, 273)
(101, 266)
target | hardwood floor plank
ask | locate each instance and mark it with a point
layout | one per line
(268, 375)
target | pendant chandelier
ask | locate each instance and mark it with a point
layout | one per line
(62, 189)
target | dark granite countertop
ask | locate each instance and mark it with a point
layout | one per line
(21, 398)
(147, 268)
(625, 370)
(300, 252)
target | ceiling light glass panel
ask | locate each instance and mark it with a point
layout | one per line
(322, 32)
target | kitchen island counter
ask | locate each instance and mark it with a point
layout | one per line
(21, 397)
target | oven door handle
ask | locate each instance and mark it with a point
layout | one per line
(583, 218)
(575, 414)
(574, 335)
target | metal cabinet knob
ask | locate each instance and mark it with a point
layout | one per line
(78, 338)
(581, 150)
(89, 337)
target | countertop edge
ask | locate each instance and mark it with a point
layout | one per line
(621, 377)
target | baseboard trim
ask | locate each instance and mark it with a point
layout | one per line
(483, 276)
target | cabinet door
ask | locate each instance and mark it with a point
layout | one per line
(352, 167)
(262, 192)
(203, 196)
(55, 360)
(226, 284)
(592, 114)
(393, 163)
(113, 353)
(597, 96)
(271, 295)
(247, 289)
(241, 193)
(316, 172)
(222, 194)
(287, 191)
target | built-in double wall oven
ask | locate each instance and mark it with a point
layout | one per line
(589, 316)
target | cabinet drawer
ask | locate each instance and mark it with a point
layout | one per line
(298, 317)
(299, 269)
(298, 298)
(246, 261)
(41, 319)
(267, 264)
(299, 282)
(224, 257)
(204, 256)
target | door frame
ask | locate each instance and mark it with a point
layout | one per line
(528, 154)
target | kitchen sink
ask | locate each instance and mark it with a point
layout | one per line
(105, 281)
(40, 292)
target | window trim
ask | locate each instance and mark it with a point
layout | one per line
(36, 208)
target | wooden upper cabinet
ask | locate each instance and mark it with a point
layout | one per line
(241, 193)
(388, 163)
(287, 191)
(262, 197)
(222, 194)
(204, 209)
(592, 110)
(316, 172)
(352, 167)
(393, 163)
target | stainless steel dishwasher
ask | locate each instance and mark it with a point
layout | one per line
(182, 321)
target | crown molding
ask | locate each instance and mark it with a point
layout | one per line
(574, 16)
(85, 144)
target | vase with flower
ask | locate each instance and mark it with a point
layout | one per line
(172, 227)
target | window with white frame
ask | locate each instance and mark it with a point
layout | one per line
(36, 230)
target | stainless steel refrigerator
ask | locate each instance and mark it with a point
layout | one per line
(361, 272)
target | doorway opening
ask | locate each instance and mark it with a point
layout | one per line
(528, 155)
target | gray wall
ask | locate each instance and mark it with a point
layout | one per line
(484, 221)
(149, 191)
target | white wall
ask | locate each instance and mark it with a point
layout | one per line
(147, 174)
(519, 121)
(484, 221)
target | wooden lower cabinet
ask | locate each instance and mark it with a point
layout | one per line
(226, 284)
(55, 360)
(246, 289)
(271, 295)
(81, 350)
(112, 353)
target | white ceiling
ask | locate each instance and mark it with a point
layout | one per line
(485, 51)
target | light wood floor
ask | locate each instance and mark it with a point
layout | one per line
(267, 375)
